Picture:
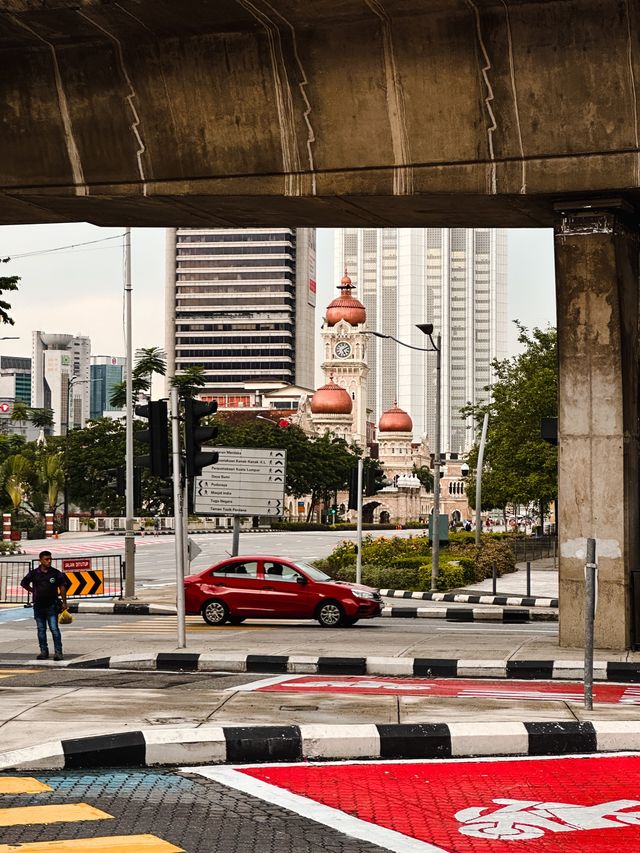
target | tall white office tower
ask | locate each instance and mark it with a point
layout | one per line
(241, 303)
(60, 378)
(454, 278)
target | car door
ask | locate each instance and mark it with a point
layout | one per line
(287, 597)
(238, 585)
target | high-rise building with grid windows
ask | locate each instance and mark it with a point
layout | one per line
(241, 303)
(454, 278)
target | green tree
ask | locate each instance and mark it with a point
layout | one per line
(150, 360)
(16, 474)
(51, 477)
(9, 283)
(189, 381)
(425, 475)
(41, 418)
(20, 413)
(519, 467)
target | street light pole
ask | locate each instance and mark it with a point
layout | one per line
(427, 329)
(129, 535)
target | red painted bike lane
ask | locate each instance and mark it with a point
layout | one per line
(603, 693)
(559, 805)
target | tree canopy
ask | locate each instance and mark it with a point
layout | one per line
(519, 466)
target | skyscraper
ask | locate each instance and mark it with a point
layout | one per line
(60, 378)
(454, 278)
(106, 372)
(241, 303)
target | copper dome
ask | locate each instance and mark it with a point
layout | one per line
(331, 399)
(395, 420)
(346, 307)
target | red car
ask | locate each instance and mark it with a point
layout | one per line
(273, 588)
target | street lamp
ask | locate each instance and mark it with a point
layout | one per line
(72, 381)
(427, 329)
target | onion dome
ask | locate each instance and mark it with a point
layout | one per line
(346, 307)
(395, 420)
(331, 399)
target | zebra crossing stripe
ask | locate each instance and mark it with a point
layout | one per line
(110, 844)
(63, 813)
(22, 785)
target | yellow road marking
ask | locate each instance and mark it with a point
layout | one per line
(22, 785)
(111, 844)
(10, 673)
(50, 814)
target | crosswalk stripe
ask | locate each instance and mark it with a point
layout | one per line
(22, 785)
(62, 813)
(111, 844)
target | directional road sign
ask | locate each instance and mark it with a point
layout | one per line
(245, 481)
(85, 583)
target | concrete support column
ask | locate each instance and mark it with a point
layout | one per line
(48, 519)
(6, 525)
(597, 277)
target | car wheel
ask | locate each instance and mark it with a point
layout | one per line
(215, 612)
(236, 620)
(330, 614)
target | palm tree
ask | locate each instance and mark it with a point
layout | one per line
(15, 472)
(20, 413)
(52, 477)
(189, 381)
(150, 360)
(41, 418)
(118, 397)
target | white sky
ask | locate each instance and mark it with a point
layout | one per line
(79, 290)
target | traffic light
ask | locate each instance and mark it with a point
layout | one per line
(195, 436)
(117, 480)
(352, 502)
(549, 430)
(157, 437)
(374, 480)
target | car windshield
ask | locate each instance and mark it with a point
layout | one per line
(314, 573)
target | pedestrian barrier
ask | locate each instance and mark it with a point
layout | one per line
(97, 576)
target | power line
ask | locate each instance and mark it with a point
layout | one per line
(63, 248)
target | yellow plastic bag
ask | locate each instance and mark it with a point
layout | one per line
(65, 618)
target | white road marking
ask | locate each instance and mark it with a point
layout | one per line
(353, 827)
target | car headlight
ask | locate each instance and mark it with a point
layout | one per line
(362, 593)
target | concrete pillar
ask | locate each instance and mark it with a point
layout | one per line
(597, 275)
(6, 525)
(48, 517)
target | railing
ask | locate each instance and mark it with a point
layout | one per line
(533, 547)
(95, 576)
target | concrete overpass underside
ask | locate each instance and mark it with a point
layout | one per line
(508, 113)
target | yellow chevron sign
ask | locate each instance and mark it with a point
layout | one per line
(89, 582)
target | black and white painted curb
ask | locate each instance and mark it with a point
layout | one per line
(258, 744)
(451, 614)
(618, 671)
(468, 598)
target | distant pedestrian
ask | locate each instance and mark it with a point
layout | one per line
(156, 525)
(467, 526)
(45, 585)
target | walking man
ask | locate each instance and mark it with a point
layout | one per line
(45, 585)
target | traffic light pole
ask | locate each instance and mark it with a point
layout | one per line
(435, 530)
(129, 536)
(177, 518)
(359, 523)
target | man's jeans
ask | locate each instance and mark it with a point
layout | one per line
(48, 616)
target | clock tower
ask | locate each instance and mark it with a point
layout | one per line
(345, 354)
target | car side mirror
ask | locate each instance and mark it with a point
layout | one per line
(301, 580)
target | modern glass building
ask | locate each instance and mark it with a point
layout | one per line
(106, 372)
(241, 303)
(454, 278)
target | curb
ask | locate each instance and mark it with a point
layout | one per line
(548, 670)
(451, 614)
(468, 598)
(315, 742)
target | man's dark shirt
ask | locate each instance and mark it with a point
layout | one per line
(44, 585)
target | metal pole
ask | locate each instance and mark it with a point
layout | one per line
(483, 440)
(235, 542)
(528, 580)
(589, 618)
(177, 518)
(494, 577)
(359, 524)
(185, 521)
(435, 540)
(129, 536)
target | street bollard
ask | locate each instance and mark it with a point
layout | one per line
(589, 618)
(494, 575)
(529, 579)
